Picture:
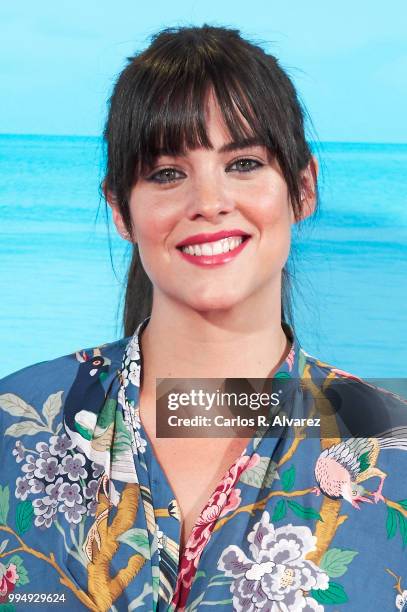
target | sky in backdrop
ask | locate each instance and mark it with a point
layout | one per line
(58, 60)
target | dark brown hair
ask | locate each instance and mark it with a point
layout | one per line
(158, 104)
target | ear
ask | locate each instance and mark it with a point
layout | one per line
(117, 217)
(308, 190)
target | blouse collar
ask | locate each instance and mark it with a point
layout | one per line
(132, 364)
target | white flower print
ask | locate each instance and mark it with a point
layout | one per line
(132, 349)
(22, 488)
(97, 469)
(59, 445)
(44, 513)
(125, 379)
(29, 466)
(18, 451)
(134, 374)
(50, 472)
(52, 491)
(70, 494)
(36, 486)
(47, 468)
(73, 514)
(278, 573)
(160, 539)
(73, 466)
(132, 421)
(401, 601)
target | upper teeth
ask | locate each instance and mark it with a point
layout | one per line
(213, 248)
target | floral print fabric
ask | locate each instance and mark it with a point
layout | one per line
(88, 519)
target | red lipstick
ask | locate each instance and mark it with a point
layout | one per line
(201, 238)
(214, 260)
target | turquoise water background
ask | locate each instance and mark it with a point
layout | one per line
(59, 292)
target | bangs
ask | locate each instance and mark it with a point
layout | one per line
(170, 118)
(160, 102)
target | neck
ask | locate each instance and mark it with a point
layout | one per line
(180, 342)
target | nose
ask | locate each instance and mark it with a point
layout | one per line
(209, 199)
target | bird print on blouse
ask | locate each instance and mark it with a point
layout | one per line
(341, 467)
(82, 404)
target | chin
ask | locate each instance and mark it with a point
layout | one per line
(213, 302)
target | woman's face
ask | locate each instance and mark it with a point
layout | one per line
(233, 186)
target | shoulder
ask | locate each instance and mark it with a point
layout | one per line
(60, 370)
(25, 393)
(366, 407)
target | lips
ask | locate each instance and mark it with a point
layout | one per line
(213, 261)
(206, 237)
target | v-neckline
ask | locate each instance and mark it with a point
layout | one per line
(131, 375)
(162, 477)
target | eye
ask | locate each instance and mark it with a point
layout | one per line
(166, 175)
(244, 165)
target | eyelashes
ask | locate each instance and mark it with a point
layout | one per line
(171, 175)
(245, 164)
(165, 175)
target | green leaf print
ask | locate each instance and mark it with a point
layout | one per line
(4, 504)
(364, 461)
(304, 511)
(24, 516)
(21, 571)
(156, 583)
(334, 594)
(403, 527)
(200, 574)
(336, 560)
(279, 511)
(391, 522)
(106, 415)
(122, 438)
(288, 479)
(7, 607)
(138, 539)
(403, 503)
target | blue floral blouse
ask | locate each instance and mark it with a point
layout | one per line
(88, 520)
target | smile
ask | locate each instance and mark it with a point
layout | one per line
(214, 253)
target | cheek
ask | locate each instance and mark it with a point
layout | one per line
(269, 206)
(270, 214)
(152, 223)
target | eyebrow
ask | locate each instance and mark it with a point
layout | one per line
(243, 143)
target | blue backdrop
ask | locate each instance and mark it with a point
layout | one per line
(58, 62)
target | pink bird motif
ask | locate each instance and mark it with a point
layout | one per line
(341, 468)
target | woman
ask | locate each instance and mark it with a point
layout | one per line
(207, 170)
